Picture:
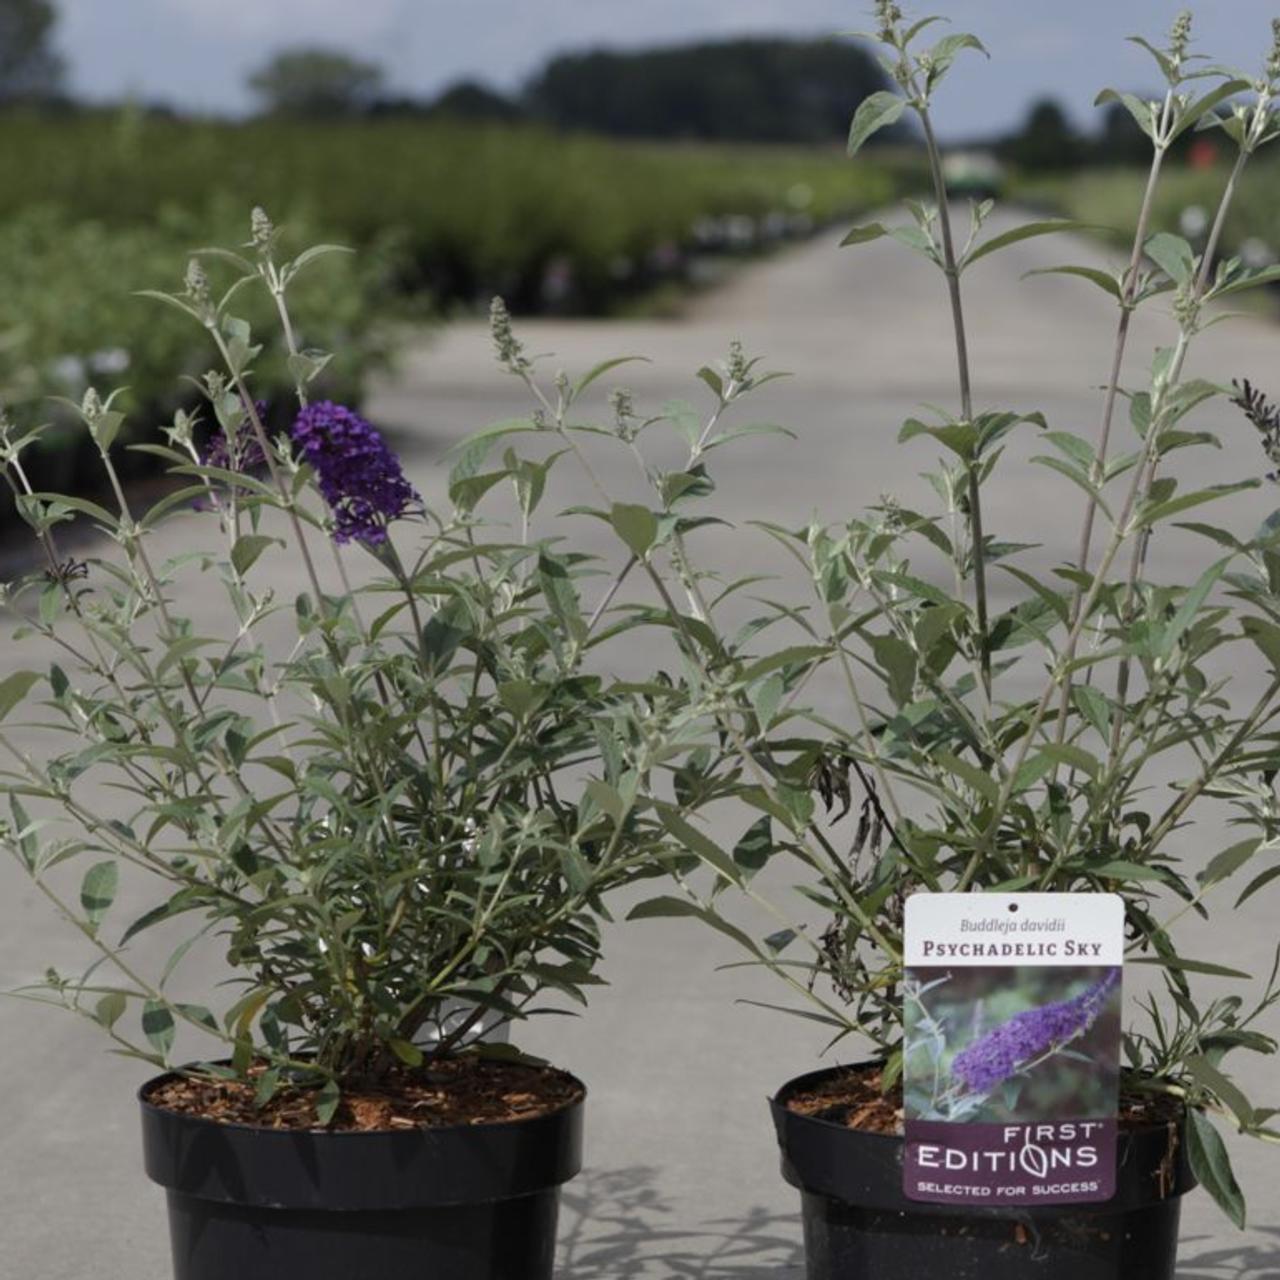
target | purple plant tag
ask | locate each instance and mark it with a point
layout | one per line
(1012, 1047)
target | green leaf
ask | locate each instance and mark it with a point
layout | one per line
(664, 908)
(244, 555)
(110, 1009)
(1259, 882)
(605, 366)
(977, 779)
(14, 688)
(1249, 280)
(1103, 279)
(1173, 255)
(1190, 606)
(408, 1053)
(1025, 232)
(1202, 107)
(899, 663)
(1094, 706)
(1212, 1166)
(753, 851)
(1162, 59)
(865, 234)
(328, 1100)
(792, 656)
(98, 890)
(1266, 635)
(943, 54)
(696, 842)
(1158, 511)
(1073, 757)
(1139, 110)
(1205, 1074)
(158, 1027)
(637, 526)
(1229, 861)
(607, 799)
(875, 112)
(308, 256)
(1179, 964)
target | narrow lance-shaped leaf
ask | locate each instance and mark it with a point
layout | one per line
(1212, 1166)
(1103, 279)
(1026, 232)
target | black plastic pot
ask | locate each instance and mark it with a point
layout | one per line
(858, 1225)
(468, 1202)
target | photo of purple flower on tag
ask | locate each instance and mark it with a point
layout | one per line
(989, 1045)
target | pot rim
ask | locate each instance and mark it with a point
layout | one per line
(222, 1126)
(779, 1100)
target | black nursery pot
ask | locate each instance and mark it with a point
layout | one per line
(858, 1225)
(465, 1202)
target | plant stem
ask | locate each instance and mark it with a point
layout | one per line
(951, 269)
(1128, 294)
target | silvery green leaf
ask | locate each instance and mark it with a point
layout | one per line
(1173, 255)
(1103, 279)
(1229, 861)
(605, 366)
(248, 548)
(308, 256)
(1048, 227)
(944, 53)
(1206, 105)
(98, 890)
(1139, 110)
(637, 526)
(158, 1027)
(1212, 1166)
(306, 366)
(110, 1009)
(864, 234)
(876, 112)
(1162, 59)
(14, 688)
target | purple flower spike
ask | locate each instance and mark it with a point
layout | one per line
(1004, 1051)
(358, 475)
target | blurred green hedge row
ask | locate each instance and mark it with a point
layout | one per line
(98, 205)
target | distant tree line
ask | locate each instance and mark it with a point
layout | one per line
(764, 90)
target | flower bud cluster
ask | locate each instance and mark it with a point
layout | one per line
(1180, 38)
(509, 348)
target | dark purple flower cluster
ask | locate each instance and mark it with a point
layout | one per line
(244, 453)
(1002, 1052)
(358, 475)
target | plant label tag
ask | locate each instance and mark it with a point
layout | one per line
(1011, 1050)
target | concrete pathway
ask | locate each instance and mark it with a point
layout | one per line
(682, 1178)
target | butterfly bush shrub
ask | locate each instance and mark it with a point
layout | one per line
(352, 742)
(1000, 727)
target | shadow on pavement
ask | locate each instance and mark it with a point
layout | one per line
(1204, 1259)
(613, 1228)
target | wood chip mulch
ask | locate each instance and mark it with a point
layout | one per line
(458, 1091)
(854, 1098)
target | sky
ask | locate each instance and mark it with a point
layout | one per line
(196, 53)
